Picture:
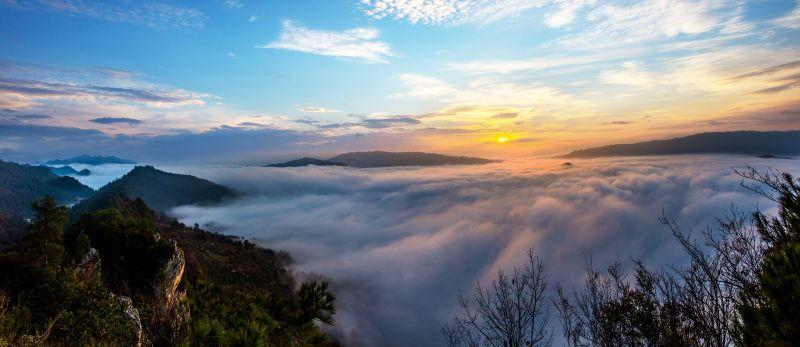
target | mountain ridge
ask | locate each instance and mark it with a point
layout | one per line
(22, 184)
(731, 142)
(91, 160)
(375, 159)
(306, 161)
(158, 189)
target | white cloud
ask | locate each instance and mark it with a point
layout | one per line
(357, 43)
(447, 11)
(233, 3)
(790, 20)
(649, 20)
(631, 74)
(533, 64)
(252, 19)
(565, 15)
(232, 55)
(152, 14)
(424, 86)
(483, 93)
(315, 109)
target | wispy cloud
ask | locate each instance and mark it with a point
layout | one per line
(151, 14)
(36, 90)
(649, 20)
(315, 109)
(447, 11)
(116, 120)
(566, 12)
(790, 20)
(358, 43)
(531, 64)
(631, 74)
(233, 3)
(772, 69)
(115, 73)
(424, 86)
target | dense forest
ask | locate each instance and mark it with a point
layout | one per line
(126, 274)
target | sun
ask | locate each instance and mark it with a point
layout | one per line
(502, 139)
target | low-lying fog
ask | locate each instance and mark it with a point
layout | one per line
(399, 244)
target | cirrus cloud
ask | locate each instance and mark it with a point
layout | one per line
(357, 43)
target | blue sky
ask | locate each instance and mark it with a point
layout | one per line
(450, 76)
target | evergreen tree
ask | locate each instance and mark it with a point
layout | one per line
(43, 243)
(770, 315)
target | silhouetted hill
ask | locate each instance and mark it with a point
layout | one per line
(734, 142)
(20, 185)
(90, 160)
(160, 190)
(68, 171)
(388, 159)
(306, 162)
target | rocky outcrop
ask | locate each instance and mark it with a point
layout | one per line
(172, 273)
(89, 268)
(135, 330)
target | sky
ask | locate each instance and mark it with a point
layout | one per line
(239, 80)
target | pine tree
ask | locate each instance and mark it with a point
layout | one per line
(43, 243)
(770, 316)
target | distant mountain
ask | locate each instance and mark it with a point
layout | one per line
(306, 162)
(389, 159)
(20, 185)
(90, 160)
(772, 143)
(160, 190)
(68, 171)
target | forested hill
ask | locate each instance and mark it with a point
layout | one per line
(734, 142)
(390, 159)
(160, 190)
(21, 184)
(125, 275)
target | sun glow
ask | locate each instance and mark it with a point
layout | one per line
(502, 139)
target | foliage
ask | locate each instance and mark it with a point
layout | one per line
(769, 313)
(232, 292)
(42, 300)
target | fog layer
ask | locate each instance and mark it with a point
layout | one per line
(399, 244)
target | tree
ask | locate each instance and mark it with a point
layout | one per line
(512, 312)
(769, 313)
(43, 243)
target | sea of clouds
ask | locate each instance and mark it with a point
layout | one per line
(398, 244)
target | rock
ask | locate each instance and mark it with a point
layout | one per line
(132, 315)
(172, 273)
(89, 268)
